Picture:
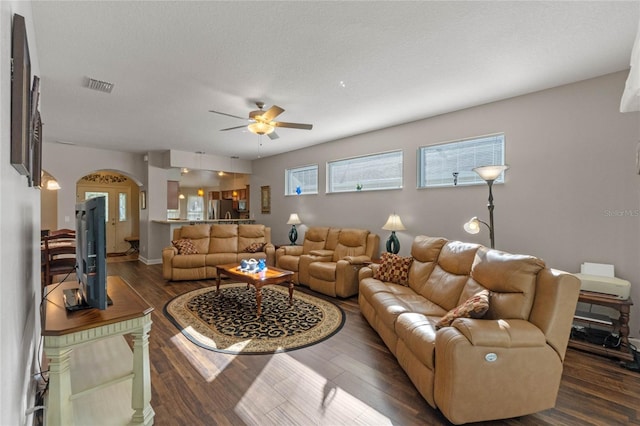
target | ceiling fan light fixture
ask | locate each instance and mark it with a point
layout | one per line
(260, 128)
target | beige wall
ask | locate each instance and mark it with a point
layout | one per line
(572, 158)
(19, 245)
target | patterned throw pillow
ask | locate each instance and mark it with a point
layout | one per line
(185, 246)
(474, 307)
(254, 247)
(393, 268)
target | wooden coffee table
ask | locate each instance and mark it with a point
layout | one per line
(258, 279)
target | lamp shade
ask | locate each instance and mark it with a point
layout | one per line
(473, 226)
(294, 219)
(260, 128)
(200, 192)
(394, 223)
(490, 173)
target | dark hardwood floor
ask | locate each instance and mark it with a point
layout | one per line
(350, 378)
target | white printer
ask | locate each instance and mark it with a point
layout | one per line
(599, 278)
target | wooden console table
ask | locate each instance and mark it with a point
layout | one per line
(63, 331)
(621, 325)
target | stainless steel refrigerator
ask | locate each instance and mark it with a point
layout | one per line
(218, 210)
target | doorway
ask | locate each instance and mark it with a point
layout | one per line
(122, 215)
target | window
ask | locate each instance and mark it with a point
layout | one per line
(451, 163)
(305, 178)
(195, 208)
(122, 206)
(366, 173)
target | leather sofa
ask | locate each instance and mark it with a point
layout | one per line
(504, 364)
(329, 259)
(215, 244)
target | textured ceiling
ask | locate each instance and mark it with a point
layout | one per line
(345, 67)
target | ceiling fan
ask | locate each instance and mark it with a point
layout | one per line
(261, 121)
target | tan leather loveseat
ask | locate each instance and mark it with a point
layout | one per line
(329, 259)
(216, 244)
(505, 364)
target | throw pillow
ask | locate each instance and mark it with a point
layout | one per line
(254, 247)
(185, 246)
(474, 307)
(393, 268)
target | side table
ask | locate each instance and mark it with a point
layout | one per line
(63, 331)
(621, 325)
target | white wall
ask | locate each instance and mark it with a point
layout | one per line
(19, 246)
(572, 158)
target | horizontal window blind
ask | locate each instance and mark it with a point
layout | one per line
(365, 173)
(306, 178)
(452, 162)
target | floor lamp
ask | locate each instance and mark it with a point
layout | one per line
(489, 174)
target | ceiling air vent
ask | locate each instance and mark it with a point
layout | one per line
(100, 86)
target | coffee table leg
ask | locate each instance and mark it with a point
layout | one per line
(290, 292)
(259, 300)
(217, 281)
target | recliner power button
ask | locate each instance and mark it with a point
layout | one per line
(491, 357)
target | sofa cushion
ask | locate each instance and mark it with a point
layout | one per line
(511, 278)
(185, 246)
(474, 307)
(418, 333)
(314, 239)
(351, 242)
(424, 251)
(198, 234)
(449, 276)
(224, 239)
(393, 268)
(249, 236)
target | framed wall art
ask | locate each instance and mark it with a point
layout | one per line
(265, 199)
(20, 97)
(36, 152)
(35, 134)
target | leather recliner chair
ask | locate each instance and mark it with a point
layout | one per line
(339, 275)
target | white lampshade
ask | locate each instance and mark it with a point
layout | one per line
(473, 226)
(261, 128)
(181, 196)
(394, 223)
(294, 219)
(53, 185)
(490, 173)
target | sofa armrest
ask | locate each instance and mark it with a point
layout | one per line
(365, 272)
(270, 250)
(167, 255)
(358, 260)
(289, 250)
(511, 333)
(322, 253)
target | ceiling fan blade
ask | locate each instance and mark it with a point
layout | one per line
(273, 135)
(228, 115)
(233, 128)
(272, 113)
(293, 125)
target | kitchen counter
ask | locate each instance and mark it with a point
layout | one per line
(199, 222)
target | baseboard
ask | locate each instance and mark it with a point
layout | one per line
(149, 261)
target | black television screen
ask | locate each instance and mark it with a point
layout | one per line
(91, 256)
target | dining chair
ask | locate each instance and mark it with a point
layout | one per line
(59, 254)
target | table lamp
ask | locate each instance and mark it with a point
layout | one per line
(393, 224)
(293, 221)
